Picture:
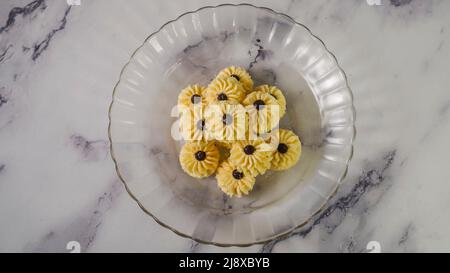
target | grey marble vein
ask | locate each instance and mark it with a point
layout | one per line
(406, 234)
(368, 180)
(90, 149)
(41, 46)
(398, 3)
(3, 100)
(83, 228)
(23, 11)
(190, 47)
(3, 54)
(261, 54)
(194, 247)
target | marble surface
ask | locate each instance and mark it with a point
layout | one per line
(58, 182)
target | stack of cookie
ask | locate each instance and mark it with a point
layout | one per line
(231, 128)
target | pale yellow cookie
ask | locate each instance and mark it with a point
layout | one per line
(199, 159)
(263, 112)
(255, 155)
(224, 90)
(234, 180)
(238, 73)
(193, 125)
(276, 93)
(288, 150)
(227, 122)
(192, 95)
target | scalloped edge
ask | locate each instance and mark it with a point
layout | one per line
(275, 236)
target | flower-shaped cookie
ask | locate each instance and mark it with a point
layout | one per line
(224, 90)
(263, 112)
(288, 150)
(199, 159)
(227, 121)
(234, 180)
(192, 95)
(239, 74)
(193, 124)
(255, 155)
(277, 94)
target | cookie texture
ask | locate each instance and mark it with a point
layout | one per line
(255, 155)
(224, 90)
(234, 180)
(238, 73)
(276, 93)
(199, 159)
(192, 95)
(263, 112)
(287, 152)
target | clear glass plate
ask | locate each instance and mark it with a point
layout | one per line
(192, 49)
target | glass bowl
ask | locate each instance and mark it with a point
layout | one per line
(191, 49)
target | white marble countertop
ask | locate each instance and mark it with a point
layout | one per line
(57, 179)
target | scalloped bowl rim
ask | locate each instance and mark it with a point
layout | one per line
(275, 236)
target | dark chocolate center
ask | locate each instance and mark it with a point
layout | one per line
(201, 124)
(238, 175)
(259, 104)
(200, 155)
(196, 99)
(282, 148)
(236, 77)
(222, 96)
(227, 119)
(249, 149)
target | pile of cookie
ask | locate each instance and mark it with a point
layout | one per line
(231, 129)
